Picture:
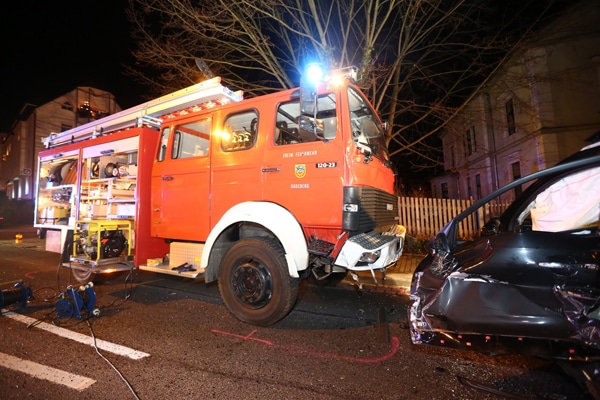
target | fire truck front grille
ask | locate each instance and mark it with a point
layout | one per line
(367, 209)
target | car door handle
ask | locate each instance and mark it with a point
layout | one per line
(553, 265)
(560, 268)
(271, 169)
(558, 265)
(167, 178)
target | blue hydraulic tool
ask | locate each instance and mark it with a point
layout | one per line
(71, 303)
(17, 294)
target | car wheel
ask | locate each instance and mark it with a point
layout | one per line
(254, 281)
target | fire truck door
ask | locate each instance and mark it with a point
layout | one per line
(302, 172)
(180, 206)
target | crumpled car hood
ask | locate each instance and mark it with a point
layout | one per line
(503, 301)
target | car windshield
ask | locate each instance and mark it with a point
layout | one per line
(451, 229)
(367, 130)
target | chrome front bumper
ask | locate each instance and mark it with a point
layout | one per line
(372, 251)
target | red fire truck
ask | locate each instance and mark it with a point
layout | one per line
(256, 193)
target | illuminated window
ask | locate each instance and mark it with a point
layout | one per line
(239, 131)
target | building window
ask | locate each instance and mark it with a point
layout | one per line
(469, 191)
(478, 186)
(65, 127)
(470, 141)
(445, 190)
(516, 174)
(510, 117)
(67, 106)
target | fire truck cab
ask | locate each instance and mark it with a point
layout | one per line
(256, 193)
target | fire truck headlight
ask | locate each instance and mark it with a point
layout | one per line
(370, 258)
(350, 207)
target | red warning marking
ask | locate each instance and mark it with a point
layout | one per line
(395, 346)
(30, 275)
(247, 337)
(395, 342)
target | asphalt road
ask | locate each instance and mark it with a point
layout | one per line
(179, 341)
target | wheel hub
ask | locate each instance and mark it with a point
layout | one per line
(252, 284)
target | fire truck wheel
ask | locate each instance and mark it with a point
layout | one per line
(254, 281)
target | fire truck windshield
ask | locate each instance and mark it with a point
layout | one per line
(367, 130)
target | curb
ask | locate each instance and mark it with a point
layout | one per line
(394, 284)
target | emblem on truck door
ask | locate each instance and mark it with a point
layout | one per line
(300, 170)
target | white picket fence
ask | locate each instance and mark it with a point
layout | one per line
(424, 217)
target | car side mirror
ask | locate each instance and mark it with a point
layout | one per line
(440, 243)
(492, 227)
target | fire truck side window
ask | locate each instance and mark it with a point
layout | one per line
(162, 148)
(239, 131)
(191, 139)
(287, 130)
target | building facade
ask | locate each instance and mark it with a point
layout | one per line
(19, 148)
(536, 110)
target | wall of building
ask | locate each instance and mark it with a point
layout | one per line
(538, 109)
(19, 148)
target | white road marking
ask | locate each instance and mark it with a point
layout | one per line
(40, 371)
(78, 337)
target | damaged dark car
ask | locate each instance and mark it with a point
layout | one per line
(530, 282)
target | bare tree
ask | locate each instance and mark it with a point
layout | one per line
(420, 58)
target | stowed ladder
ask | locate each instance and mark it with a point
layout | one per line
(205, 94)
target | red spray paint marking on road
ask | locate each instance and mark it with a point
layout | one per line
(247, 337)
(30, 275)
(395, 342)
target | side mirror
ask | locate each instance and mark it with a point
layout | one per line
(443, 262)
(440, 244)
(492, 227)
(308, 97)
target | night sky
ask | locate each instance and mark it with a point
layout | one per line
(49, 48)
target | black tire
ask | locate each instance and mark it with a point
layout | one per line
(254, 281)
